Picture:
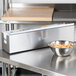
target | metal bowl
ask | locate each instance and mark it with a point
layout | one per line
(61, 51)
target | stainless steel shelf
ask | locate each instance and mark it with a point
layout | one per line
(66, 16)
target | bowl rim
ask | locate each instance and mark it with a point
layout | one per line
(61, 40)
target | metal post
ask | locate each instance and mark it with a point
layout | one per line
(4, 73)
(3, 6)
(7, 27)
(4, 27)
(15, 26)
(10, 27)
(13, 71)
(10, 3)
(9, 70)
(6, 5)
(74, 33)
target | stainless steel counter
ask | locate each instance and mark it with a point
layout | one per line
(43, 61)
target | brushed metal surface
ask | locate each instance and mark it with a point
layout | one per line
(32, 5)
(46, 1)
(43, 61)
(65, 16)
(24, 22)
(36, 38)
(4, 59)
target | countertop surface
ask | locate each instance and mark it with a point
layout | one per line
(43, 61)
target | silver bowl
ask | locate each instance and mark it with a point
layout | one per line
(61, 51)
